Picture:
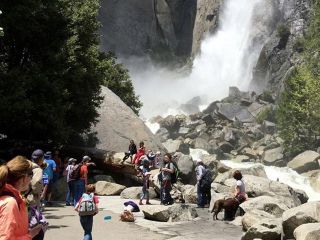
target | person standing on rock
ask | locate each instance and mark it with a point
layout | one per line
(145, 170)
(203, 185)
(132, 150)
(166, 185)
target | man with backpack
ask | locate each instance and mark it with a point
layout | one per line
(167, 173)
(204, 180)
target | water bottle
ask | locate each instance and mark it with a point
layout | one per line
(107, 218)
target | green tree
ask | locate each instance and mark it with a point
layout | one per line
(299, 108)
(51, 69)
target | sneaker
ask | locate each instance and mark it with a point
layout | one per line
(68, 204)
(147, 203)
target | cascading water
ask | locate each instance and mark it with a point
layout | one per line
(226, 59)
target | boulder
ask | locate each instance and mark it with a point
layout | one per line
(255, 170)
(201, 143)
(208, 119)
(186, 167)
(163, 134)
(108, 188)
(114, 135)
(135, 193)
(234, 112)
(259, 186)
(293, 218)
(315, 180)
(172, 145)
(266, 229)
(250, 153)
(305, 162)
(253, 217)
(173, 213)
(309, 231)
(190, 194)
(241, 158)
(268, 127)
(106, 178)
(225, 147)
(268, 204)
(273, 157)
(171, 123)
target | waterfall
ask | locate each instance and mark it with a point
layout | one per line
(226, 59)
(284, 175)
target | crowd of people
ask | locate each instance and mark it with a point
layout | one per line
(26, 188)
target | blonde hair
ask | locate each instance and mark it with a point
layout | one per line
(15, 169)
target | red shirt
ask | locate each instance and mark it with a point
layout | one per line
(84, 172)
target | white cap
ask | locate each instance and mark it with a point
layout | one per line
(199, 161)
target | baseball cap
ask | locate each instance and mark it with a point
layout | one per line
(86, 158)
(37, 154)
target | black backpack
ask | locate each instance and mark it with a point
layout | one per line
(206, 179)
(176, 173)
(75, 172)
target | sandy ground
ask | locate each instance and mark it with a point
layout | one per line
(65, 225)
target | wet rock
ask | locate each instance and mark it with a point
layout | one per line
(108, 188)
(208, 119)
(314, 178)
(186, 167)
(225, 147)
(171, 123)
(241, 158)
(293, 218)
(305, 162)
(172, 145)
(268, 127)
(190, 194)
(174, 213)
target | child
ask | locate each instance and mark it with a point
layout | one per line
(87, 208)
(145, 170)
(151, 156)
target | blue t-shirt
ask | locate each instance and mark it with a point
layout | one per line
(49, 169)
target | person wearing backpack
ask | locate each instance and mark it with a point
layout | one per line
(87, 207)
(203, 176)
(166, 185)
(77, 183)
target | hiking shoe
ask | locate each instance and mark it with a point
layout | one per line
(147, 203)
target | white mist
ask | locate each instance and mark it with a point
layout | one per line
(226, 59)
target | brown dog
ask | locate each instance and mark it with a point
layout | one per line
(230, 206)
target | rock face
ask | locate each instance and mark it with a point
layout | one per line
(108, 188)
(118, 124)
(281, 51)
(309, 231)
(305, 162)
(174, 213)
(253, 217)
(273, 157)
(160, 28)
(135, 193)
(306, 213)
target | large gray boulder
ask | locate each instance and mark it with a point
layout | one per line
(118, 124)
(309, 231)
(186, 167)
(108, 188)
(273, 157)
(293, 218)
(268, 204)
(234, 112)
(172, 145)
(161, 28)
(258, 186)
(266, 229)
(305, 162)
(253, 217)
(135, 193)
(173, 213)
(190, 194)
(106, 178)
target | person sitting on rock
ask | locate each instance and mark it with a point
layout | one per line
(139, 154)
(240, 191)
(132, 150)
(151, 157)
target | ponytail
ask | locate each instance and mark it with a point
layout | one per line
(4, 171)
